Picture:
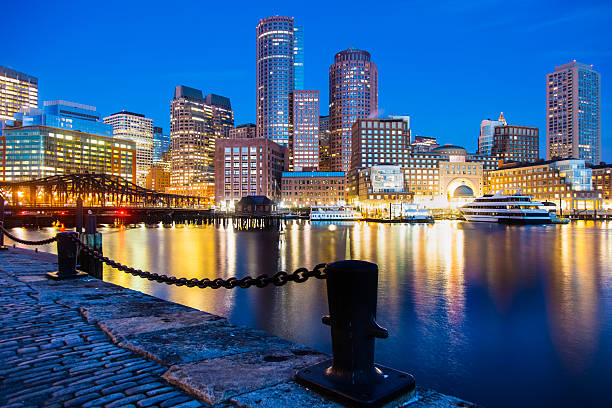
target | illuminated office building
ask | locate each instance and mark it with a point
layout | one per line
(275, 76)
(378, 141)
(353, 94)
(17, 91)
(573, 107)
(222, 115)
(516, 143)
(246, 131)
(161, 144)
(324, 164)
(139, 129)
(298, 56)
(304, 136)
(487, 132)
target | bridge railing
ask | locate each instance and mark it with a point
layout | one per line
(351, 376)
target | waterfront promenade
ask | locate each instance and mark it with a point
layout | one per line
(94, 344)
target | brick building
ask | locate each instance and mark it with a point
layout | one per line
(307, 188)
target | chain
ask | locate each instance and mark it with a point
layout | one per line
(278, 279)
(25, 241)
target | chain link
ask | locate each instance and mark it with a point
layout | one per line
(25, 241)
(278, 279)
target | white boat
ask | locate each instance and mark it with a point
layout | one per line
(333, 213)
(412, 212)
(506, 209)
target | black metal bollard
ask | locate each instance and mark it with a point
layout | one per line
(78, 222)
(352, 375)
(66, 258)
(2, 246)
(93, 239)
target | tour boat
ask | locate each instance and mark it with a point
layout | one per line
(333, 213)
(416, 214)
(506, 209)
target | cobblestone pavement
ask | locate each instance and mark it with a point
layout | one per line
(51, 356)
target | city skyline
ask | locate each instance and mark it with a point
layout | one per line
(415, 77)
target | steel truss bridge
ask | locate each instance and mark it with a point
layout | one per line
(96, 190)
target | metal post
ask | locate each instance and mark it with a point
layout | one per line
(2, 246)
(66, 258)
(93, 239)
(352, 375)
(78, 222)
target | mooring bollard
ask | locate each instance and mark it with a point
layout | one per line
(2, 246)
(66, 258)
(93, 239)
(352, 375)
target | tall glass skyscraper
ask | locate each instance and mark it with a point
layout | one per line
(275, 60)
(298, 53)
(487, 131)
(353, 94)
(573, 106)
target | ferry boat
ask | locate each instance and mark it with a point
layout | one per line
(416, 214)
(506, 209)
(333, 213)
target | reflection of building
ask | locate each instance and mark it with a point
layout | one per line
(195, 123)
(602, 183)
(275, 78)
(33, 152)
(246, 131)
(565, 182)
(246, 167)
(304, 135)
(423, 144)
(353, 94)
(139, 129)
(307, 188)
(17, 91)
(487, 130)
(324, 164)
(573, 104)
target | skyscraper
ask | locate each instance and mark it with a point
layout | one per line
(304, 139)
(195, 124)
(324, 143)
(298, 55)
(275, 65)
(17, 90)
(161, 144)
(487, 130)
(353, 94)
(139, 129)
(573, 108)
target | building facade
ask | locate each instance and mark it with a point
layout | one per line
(33, 152)
(602, 182)
(378, 141)
(567, 183)
(573, 106)
(301, 189)
(17, 91)
(298, 56)
(161, 144)
(353, 94)
(139, 129)
(516, 143)
(248, 167)
(324, 164)
(158, 178)
(304, 139)
(246, 131)
(487, 132)
(195, 126)
(275, 77)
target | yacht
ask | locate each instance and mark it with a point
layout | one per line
(333, 213)
(506, 209)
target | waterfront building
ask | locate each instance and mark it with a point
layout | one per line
(377, 141)
(246, 131)
(353, 94)
(423, 144)
(379, 188)
(275, 76)
(65, 115)
(307, 188)
(487, 132)
(161, 144)
(324, 164)
(567, 183)
(139, 129)
(516, 144)
(602, 177)
(195, 124)
(248, 167)
(304, 133)
(158, 177)
(17, 91)
(37, 151)
(573, 106)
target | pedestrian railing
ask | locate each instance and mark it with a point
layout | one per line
(351, 376)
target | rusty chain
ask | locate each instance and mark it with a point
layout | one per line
(278, 279)
(25, 241)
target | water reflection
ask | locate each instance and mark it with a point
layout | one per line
(495, 314)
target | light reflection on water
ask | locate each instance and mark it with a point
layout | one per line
(498, 315)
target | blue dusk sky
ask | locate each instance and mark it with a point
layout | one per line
(448, 64)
